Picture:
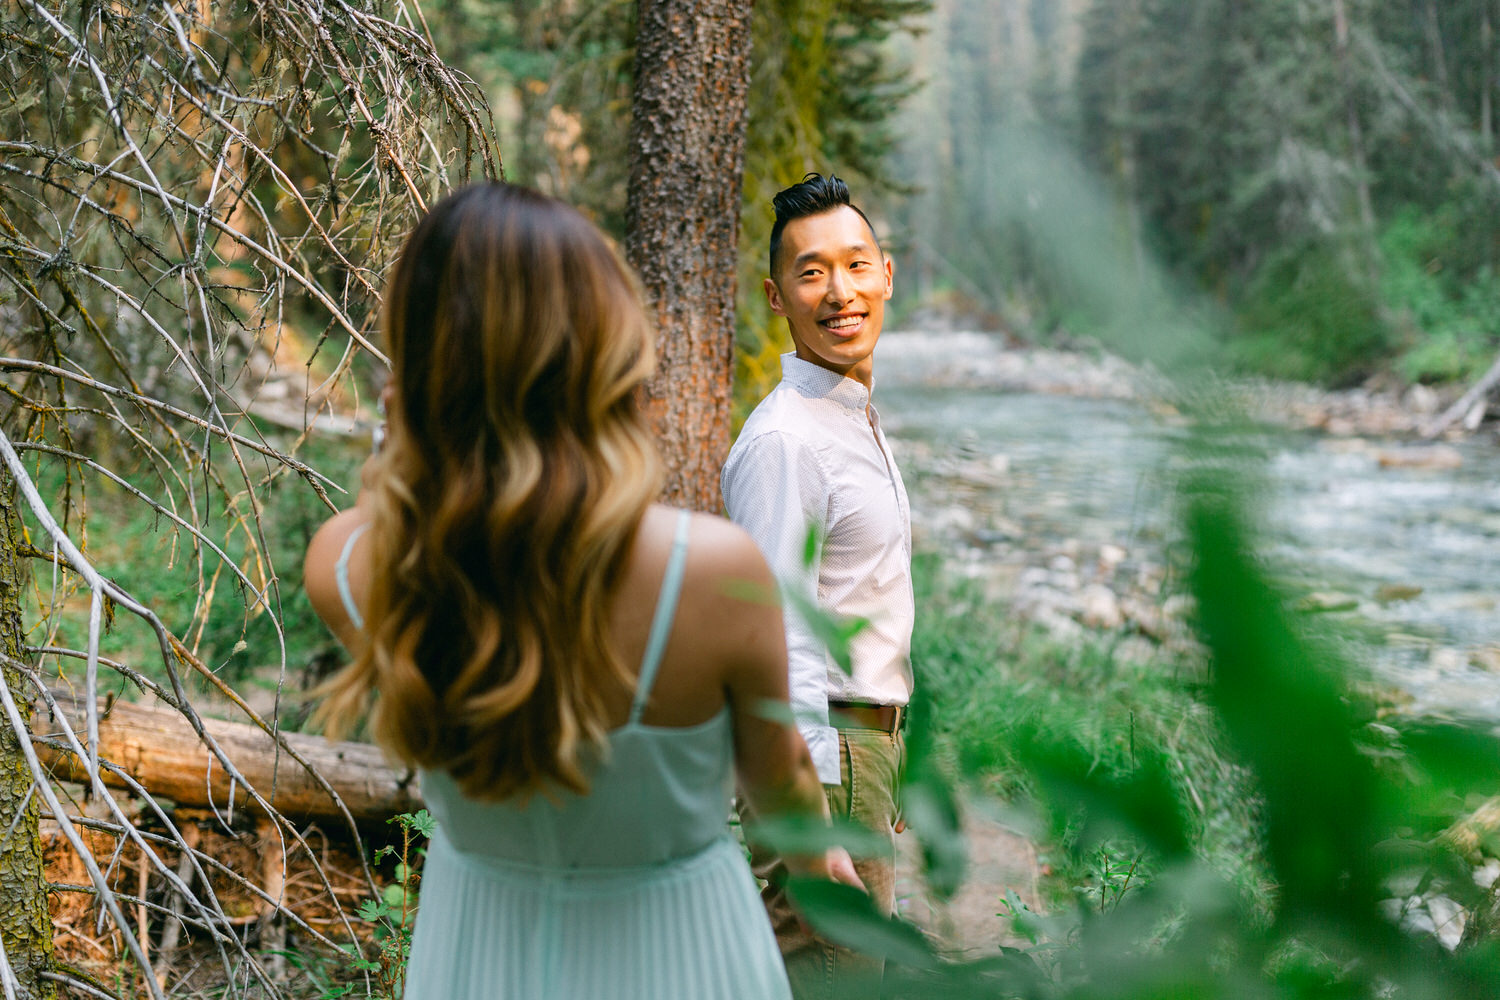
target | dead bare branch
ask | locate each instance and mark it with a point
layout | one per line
(198, 204)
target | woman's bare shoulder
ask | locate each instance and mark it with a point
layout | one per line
(728, 591)
(319, 576)
(718, 548)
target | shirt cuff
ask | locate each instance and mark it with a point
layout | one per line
(823, 745)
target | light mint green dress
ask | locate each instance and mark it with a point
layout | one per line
(635, 891)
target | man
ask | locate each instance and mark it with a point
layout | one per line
(812, 459)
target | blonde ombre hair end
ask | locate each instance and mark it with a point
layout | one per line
(515, 472)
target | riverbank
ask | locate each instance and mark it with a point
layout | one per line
(1051, 588)
(1049, 477)
(977, 360)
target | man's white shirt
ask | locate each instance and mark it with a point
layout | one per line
(812, 457)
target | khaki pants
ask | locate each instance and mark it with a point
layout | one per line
(871, 764)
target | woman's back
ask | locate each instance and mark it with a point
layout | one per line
(656, 793)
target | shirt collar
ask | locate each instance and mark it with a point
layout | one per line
(819, 383)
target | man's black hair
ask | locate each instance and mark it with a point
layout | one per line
(812, 195)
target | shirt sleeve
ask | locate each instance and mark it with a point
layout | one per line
(774, 487)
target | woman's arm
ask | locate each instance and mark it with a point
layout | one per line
(775, 771)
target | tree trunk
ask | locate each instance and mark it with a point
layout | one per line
(1368, 252)
(25, 923)
(687, 154)
(1439, 56)
(1487, 78)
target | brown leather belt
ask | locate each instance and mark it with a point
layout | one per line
(864, 715)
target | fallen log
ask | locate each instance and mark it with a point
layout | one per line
(1465, 403)
(160, 750)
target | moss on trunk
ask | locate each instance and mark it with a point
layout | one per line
(25, 925)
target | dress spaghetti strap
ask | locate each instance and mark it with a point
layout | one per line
(661, 621)
(341, 576)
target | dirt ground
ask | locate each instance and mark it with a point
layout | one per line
(976, 921)
(182, 960)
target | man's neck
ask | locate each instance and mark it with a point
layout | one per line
(862, 371)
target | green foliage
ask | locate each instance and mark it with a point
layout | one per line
(1305, 316)
(1348, 811)
(1011, 707)
(394, 910)
(1260, 153)
(1446, 290)
(559, 73)
(198, 594)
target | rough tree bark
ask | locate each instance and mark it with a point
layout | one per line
(687, 153)
(25, 924)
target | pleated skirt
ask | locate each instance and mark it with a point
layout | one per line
(690, 929)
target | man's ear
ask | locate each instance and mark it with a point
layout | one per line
(773, 295)
(890, 276)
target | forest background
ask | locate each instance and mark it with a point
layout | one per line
(1322, 175)
(1287, 187)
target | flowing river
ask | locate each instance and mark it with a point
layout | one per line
(1044, 475)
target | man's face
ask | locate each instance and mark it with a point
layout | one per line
(832, 285)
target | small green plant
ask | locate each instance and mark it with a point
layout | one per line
(394, 910)
(1114, 871)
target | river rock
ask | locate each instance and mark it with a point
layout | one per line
(1445, 660)
(1438, 456)
(1435, 915)
(1390, 593)
(1146, 617)
(1099, 607)
(1485, 658)
(1136, 649)
(1150, 576)
(1422, 400)
(1061, 627)
(952, 519)
(1327, 600)
(1110, 557)
(982, 473)
(1179, 607)
(1033, 578)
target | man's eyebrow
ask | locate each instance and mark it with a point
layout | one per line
(812, 255)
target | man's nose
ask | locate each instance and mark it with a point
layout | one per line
(838, 285)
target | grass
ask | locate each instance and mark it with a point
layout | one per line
(1004, 696)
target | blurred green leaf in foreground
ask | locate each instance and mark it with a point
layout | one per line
(1356, 818)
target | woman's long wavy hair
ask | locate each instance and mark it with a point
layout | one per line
(515, 472)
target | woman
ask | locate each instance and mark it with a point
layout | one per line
(571, 665)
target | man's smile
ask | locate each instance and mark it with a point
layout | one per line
(844, 323)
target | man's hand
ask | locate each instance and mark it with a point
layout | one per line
(835, 866)
(841, 868)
